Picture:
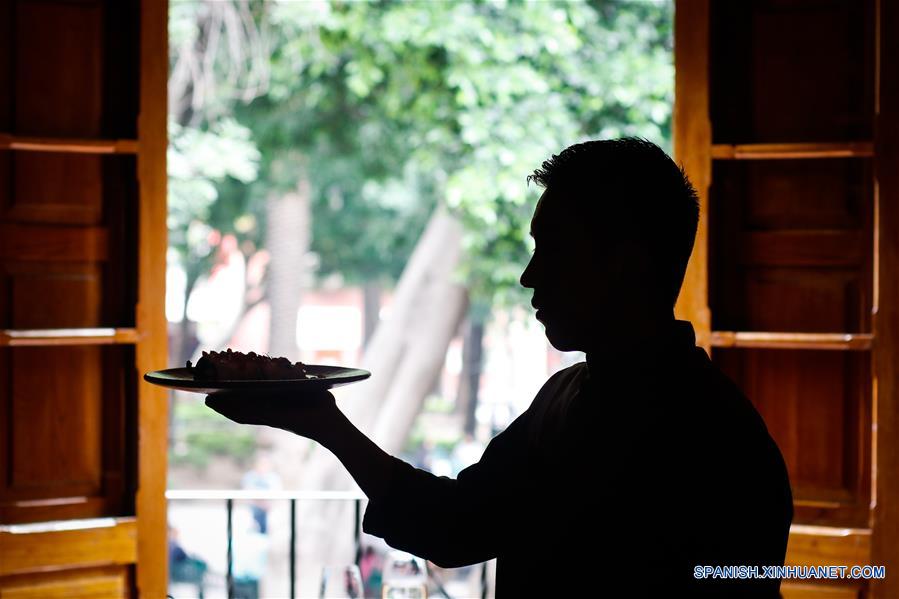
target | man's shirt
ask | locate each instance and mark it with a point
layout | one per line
(625, 473)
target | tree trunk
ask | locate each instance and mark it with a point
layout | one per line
(470, 377)
(288, 235)
(187, 329)
(435, 253)
(371, 310)
(440, 307)
(184, 344)
(405, 355)
(287, 240)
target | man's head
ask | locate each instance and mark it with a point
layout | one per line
(613, 230)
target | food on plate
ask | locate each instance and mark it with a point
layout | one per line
(237, 366)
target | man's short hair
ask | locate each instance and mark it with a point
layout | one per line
(630, 187)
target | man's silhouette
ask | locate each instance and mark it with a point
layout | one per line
(628, 470)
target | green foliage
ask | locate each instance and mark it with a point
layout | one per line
(208, 149)
(438, 404)
(207, 435)
(418, 439)
(200, 161)
(387, 108)
(404, 104)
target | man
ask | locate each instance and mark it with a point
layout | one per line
(628, 470)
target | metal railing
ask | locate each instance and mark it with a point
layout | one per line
(229, 496)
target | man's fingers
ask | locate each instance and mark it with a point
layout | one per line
(219, 401)
(271, 410)
(232, 407)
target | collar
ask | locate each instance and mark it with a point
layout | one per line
(675, 338)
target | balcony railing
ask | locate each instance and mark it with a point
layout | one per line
(229, 496)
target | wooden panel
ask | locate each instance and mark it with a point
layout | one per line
(45, 296)
(791, 246)
(120, 214)
(62, 337)
(18, 511)
(790, 590)
(816, 406)
(49, 191)
(111, 541)
(795, 80)
(758, 49)
(65, 414)
(58, 69)
(55, 188)
(62, 244)
(6, 183)
(794, 299)
(792, 151)
(827, 546)
(152, 417)
(108, 582)
(803, 248)
(803, 300)
(123, 70)
(769, 340)
(56, 436)
(7, 17)
(68, 145)
(71, 74)
(885, 516)
(795, 194)
(51, 276)
(692, 142)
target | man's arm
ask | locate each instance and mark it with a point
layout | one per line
(452, 522)
(455, 522)
(315, 417)
(369, 465)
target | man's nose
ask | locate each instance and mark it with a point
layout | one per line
(527, 277)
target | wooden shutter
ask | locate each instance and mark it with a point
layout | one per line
(82, 274)
(786, 121)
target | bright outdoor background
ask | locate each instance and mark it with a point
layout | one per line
(347, 185)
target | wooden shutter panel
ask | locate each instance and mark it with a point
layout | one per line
(781, 121)
(82, 272)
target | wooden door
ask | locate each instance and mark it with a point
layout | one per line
(82, 272)
(785, 120)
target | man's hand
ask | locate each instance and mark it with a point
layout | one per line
(316, 417)
(309, 415)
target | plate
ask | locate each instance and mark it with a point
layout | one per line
(321, 378)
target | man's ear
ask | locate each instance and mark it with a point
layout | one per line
(631, 258)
